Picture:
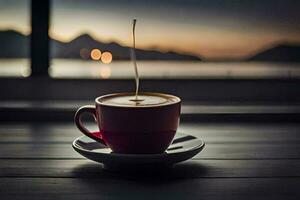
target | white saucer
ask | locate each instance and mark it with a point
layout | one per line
(182, 148)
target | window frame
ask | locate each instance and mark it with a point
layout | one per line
(39, 41)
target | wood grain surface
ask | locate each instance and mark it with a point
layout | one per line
(240, 161)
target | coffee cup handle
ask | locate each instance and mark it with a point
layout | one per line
(88, 109)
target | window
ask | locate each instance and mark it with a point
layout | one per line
(14, 38)
(208, 39)
(220, 50)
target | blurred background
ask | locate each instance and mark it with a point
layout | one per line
(203, 39)
(223, 58)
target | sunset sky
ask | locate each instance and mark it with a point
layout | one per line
(212, 29)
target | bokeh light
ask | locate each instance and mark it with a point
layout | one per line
(106, 57)
(84, 53)
(96, 54)
(105, 72)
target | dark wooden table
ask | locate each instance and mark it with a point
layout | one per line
(240, 161)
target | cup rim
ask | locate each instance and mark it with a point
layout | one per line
(97, 100)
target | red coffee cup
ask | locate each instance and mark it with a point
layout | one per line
(133, 129)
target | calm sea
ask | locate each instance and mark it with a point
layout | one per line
(68, 68)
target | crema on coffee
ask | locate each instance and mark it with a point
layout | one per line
(144, 100)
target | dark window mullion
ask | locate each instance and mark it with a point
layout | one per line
(39, 37)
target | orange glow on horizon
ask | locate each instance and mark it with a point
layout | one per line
(106, 57)
(206, 43)
(96, 54)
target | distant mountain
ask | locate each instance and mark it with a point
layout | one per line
(13, 44)
(279, 53)
(16, 45)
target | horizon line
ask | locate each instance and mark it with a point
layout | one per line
(162, 50)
